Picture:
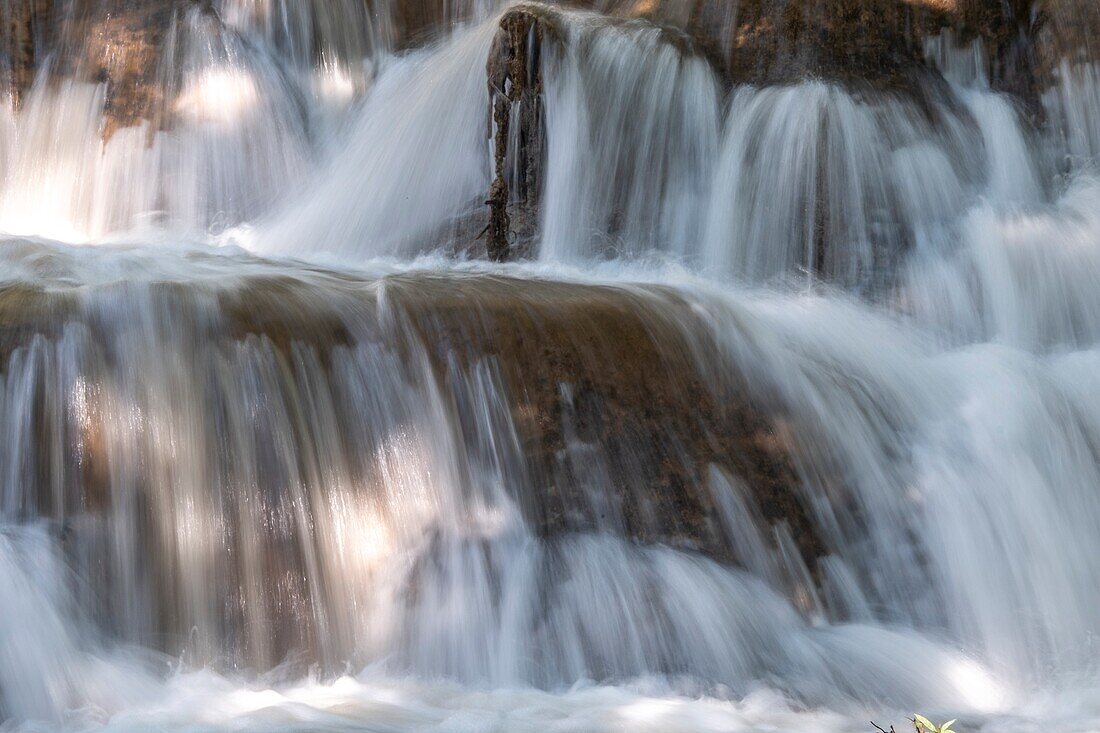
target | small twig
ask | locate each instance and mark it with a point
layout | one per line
(881, 729)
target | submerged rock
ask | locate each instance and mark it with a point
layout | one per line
(275, 401)
(603, 375)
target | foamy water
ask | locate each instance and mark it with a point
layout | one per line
(241, 488)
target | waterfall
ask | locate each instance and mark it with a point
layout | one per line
(780, 416)
(624, 104)
(239, 136)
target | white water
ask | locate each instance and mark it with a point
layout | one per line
(228, 500)
(240, 140)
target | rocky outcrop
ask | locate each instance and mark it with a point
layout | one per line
(1025, 41)
(514, 73)
(514, 68)
(26, 34)
(875, 43)
(871, 42)
(321, 437)
(880, 43)
(121, 44)
(855, 41)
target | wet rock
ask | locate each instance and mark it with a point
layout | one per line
(26, 35)
(1064, 30)
(27, 311)
(240, 399)
(1007, 31)
(514, 73)
(1026, 42)
(517, 126)
(879, 44)
(126, 45)
(860, 41)
(121, 44)
(419, 21)
(614, 395)
(874, 43)
(621, 404)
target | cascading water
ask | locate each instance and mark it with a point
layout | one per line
(788, 419)
(239, 136)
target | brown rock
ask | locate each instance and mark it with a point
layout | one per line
(615, 393)
(119, 43)
(26, 34)
(617, 369)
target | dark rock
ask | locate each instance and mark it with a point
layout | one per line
(515, 97)
(26, 35)
(118, 43)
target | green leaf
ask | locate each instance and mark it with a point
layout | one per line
(925, 723)
(946, 727)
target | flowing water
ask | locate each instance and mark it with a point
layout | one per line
(791, 419)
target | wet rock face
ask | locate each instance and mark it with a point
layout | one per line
(867, 41)
(621, 410)
(1026, 41)
(26, 34)
(418, 21)
(1064, 30)
(526, 34)
(621, 406)
(621, 414)
(879, 43)
(514, 73)
(872, 42)
(1008, 31)
(120, 43)
(597, 409)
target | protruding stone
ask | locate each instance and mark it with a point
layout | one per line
(515, 98)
